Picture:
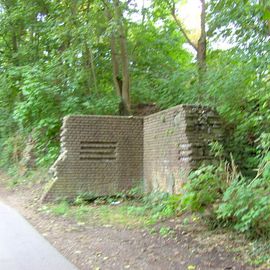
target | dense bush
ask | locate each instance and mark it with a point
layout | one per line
(246, 203)
(239, 202)
(204, 187)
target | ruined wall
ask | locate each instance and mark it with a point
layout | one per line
(175, 142)
(102, 155)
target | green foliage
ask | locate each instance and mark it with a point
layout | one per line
(207, 184)
(165, 231)
(55, 60)
(243, 101)
(246, 203)
(246, 206)
(238, 79)
(61, 209)
(161, 205)
(160, 74)
(234, 200)
(107, 105)
(17, 178)
(153, 207)
(12, 149)
(203, 189)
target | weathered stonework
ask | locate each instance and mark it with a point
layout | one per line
(101, 155)
(104, 155)
(175, 142)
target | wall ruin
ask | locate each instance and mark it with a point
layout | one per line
(176, 141)
(103, 155)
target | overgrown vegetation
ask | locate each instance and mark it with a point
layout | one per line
(63, 57)
(130, 210)
(235, 200)
(150, 212)
(246, 202)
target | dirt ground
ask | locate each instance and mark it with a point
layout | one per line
(105, 247)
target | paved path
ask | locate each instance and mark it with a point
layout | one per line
(23, 248)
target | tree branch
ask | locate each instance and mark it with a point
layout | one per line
(178, 22)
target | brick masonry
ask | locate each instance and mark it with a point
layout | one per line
(101, 155)
(176, 141)
(104, 155)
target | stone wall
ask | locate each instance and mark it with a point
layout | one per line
(104, 155)
(101, 155)
(175, 142)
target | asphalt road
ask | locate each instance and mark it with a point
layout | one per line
(23, 248)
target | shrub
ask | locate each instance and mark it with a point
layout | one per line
(246, 203)
(246, 207)
(207, 184)
(203, 188)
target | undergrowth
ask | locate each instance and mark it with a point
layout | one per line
(233, 200)
(16, 179)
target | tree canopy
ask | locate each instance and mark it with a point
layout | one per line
(107, 56)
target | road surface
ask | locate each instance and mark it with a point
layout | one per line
(23, 248)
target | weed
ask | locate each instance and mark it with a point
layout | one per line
(30, 178)
(61, 209)
(260, 253)
(84, 198)
(165, 231)
(82, 213)
(246, 203)
(12, 183)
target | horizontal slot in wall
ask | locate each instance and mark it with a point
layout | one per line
(98, 151)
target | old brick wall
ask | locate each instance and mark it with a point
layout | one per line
(102, 155)
(175, 142)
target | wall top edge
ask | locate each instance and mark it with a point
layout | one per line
(182, 107)
(74, 116)
(177, 107)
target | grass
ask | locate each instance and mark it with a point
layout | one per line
(61, 209)
(165, 231)
(14, 178)
(123, 215)
(259, 254)
(124, 211)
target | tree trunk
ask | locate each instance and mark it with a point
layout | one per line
(89, 54)
(125, 97)
(90, 65)
(120, 62)
(115, 67)
(201, 48)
